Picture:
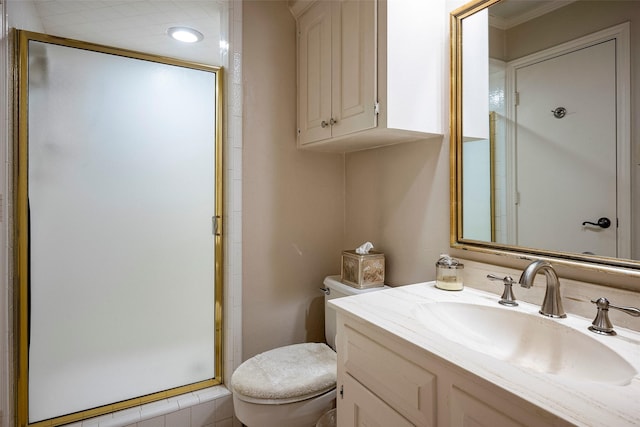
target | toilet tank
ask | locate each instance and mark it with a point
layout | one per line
(333, 288)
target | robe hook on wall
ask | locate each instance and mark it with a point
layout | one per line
(559, 112)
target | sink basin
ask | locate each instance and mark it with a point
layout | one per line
(527, 340)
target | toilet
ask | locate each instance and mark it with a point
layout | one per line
(294, 385)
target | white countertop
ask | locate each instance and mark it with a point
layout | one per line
(579, 402)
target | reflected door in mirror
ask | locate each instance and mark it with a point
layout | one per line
(565, 135)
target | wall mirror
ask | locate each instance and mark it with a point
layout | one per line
(545, 157)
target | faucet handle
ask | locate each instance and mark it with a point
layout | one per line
(507, 298)
(601, 324)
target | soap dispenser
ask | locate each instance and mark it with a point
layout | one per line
(449, 273)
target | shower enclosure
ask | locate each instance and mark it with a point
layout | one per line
(118, 221)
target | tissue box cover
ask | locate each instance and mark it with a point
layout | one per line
(362, 271)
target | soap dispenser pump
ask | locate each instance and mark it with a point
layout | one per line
(449, 273)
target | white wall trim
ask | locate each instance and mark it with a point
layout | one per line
(233, 194)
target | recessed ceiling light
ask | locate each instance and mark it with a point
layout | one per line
(185, 34)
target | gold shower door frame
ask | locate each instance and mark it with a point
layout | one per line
(22, 239)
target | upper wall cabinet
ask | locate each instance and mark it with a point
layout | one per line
(370, 73)
(336, 53)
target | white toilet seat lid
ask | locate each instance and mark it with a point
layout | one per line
(286, 374)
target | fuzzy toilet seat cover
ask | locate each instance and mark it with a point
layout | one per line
(286, 374)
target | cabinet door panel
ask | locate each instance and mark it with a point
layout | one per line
(407, 387)
(361, 408)
(314, 73)
(354, 67)
(470, 411)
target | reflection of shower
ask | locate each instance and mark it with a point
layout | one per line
(38, 64)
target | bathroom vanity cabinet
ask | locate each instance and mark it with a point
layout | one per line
(369, 72)
(418, 355)
(385, 381)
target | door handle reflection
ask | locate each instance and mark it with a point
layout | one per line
(602, 223)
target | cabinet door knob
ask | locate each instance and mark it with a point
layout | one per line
(331, 122)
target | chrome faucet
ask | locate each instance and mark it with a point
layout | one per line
(552, 303)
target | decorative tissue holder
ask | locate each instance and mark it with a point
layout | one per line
(362, 270)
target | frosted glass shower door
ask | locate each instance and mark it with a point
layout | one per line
(121, 195)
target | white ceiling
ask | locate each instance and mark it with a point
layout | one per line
(139, 25)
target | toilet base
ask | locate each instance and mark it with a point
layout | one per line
(304, 413)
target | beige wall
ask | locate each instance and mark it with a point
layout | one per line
(302, 209)
(293, 204)
(295, 220)
(398, 198)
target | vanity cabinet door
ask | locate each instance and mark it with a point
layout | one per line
(406, 387)
(360, 407)
(468, 410)
(470, 402)
(336, 70)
